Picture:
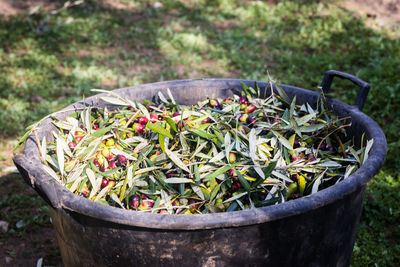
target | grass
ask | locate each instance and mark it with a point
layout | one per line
(49, 61)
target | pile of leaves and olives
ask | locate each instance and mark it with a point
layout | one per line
(219, 155)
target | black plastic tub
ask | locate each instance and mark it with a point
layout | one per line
(318, 230)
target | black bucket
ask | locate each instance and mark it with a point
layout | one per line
(318, 230)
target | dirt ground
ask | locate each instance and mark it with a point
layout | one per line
(383, 12)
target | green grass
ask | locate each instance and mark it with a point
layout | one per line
(60, 57)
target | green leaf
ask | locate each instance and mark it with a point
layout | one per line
(305, 118)
(312, 128)
(128, 177)
(282, 94)
(220, 171)
(235, 197)
(144, 110)
(205, 193)
(198, 191)
(243, 181)
(178, 180)
(161, 141)
(162, 98)
(232, 207)
(202, 133)
(60, 155)
(227, 142)
(116, 199)
(215, 192)
(252, 144)
(172, 124)
(292, 107)
(267, 202)
(245, 89)
(171, 97)
(101, 132)
(114, 101)
(283, 140)
(51, 172)
(156, 127)
(176, 160)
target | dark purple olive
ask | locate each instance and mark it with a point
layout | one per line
(322, 146)
(104, 182)
(121, 160)
(251, 121)
(193, 205)
(261, 196)
(243, 100)
(96, 163)
(176, 114)
(295, 196)
(296, 143)
(235, 186)
(112, 164)
(311, 157)
(294, 177)
(134, 201)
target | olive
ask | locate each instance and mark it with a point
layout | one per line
(251, 121)
(121, 160)
(206, 120)
(250, 108)
(243, 118)
(232, 157)
(213, 103)
(143, 120)
(193, 205)
(96, 163)
(134, 201)
(153, 117)
(137, 127)
(72, 145)
(243, 100)
(104, 182)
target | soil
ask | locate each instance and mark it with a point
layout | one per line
(14, 7)
(24, 247)
(385, 13)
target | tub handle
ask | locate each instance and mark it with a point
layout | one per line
(362, 93)
(44, 186)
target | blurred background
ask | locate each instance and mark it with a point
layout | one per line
(53, 52)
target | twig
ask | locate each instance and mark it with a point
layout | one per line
(323, 139)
